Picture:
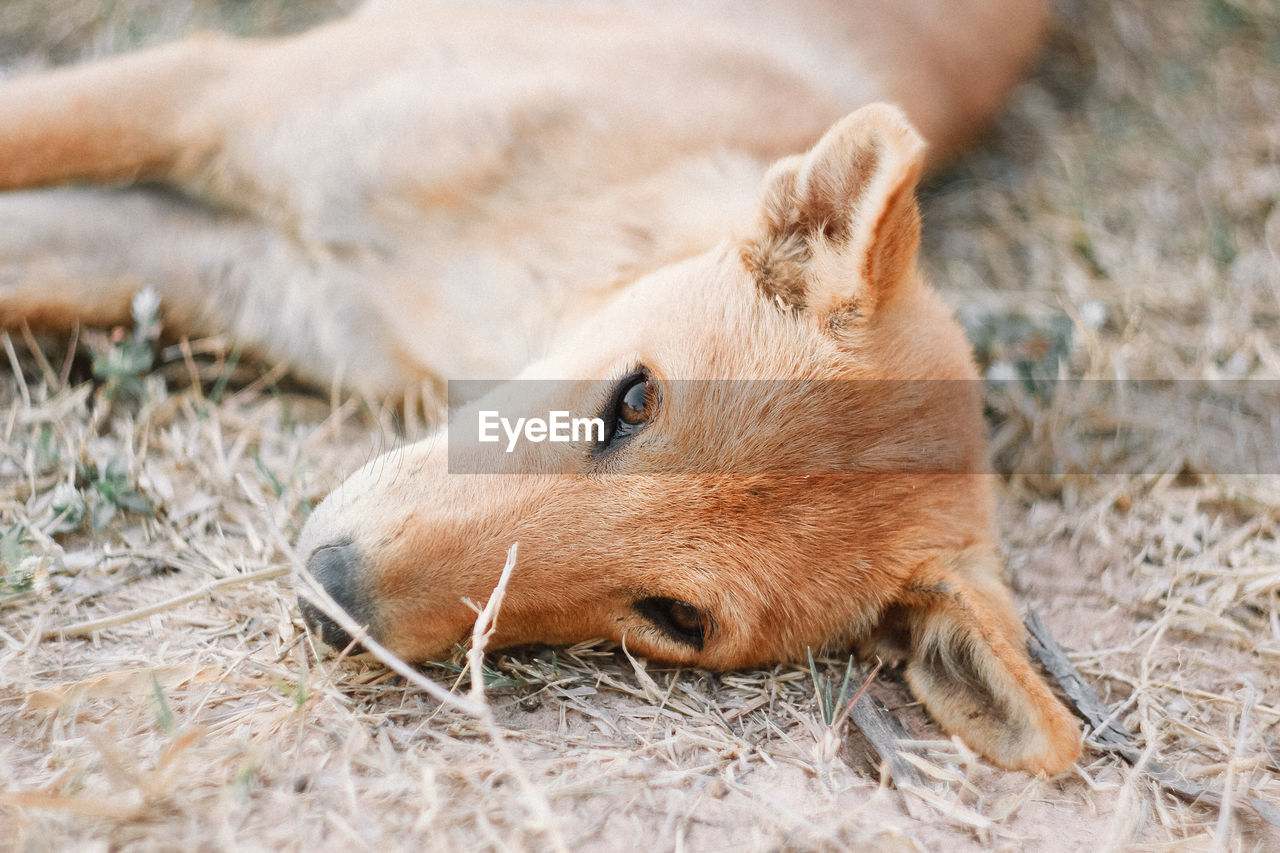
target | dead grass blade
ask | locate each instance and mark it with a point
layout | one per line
(80, 629)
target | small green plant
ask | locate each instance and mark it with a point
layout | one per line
(297, 692)
(277, 487)
(47, 454)
(13, 552)
(112, 491)
(833, 706)
(242, 782)
(1021, 350)
(830, 704)
(121, 363)
(224, 376)
(164, 714)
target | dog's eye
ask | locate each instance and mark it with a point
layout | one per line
(679, 620)
(632, 406)
(636, 404)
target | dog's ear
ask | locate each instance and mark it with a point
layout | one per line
(964, 649)
(837, 229)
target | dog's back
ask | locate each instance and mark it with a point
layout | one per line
(436, 190)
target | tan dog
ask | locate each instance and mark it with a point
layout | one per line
(422, 192)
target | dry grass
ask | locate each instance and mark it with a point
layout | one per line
(1132, 189)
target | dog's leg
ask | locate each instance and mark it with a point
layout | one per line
(77, 255)
(168, 115)
(120, 119)
(72, 256)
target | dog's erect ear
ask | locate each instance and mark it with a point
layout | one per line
(966, 661)
(837, 229)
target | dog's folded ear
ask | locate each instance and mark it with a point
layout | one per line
(837, 229)
(964, 650)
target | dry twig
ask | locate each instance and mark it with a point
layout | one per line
(1107, 734)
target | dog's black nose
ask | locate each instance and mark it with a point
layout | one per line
(338, 569)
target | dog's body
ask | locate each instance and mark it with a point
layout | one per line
(451, 190)
(439, 190)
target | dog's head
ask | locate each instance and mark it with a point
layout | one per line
(788, 456)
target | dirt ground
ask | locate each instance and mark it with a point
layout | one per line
(1122, 220)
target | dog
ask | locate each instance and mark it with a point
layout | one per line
(607, 195)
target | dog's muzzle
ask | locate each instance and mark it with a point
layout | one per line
(338, 569)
